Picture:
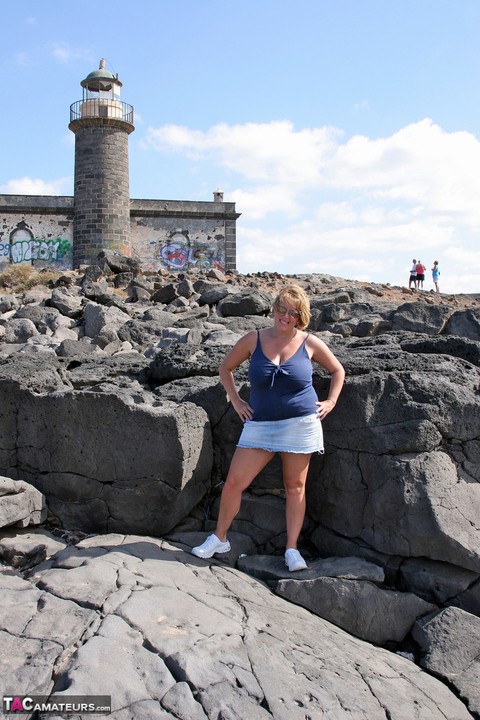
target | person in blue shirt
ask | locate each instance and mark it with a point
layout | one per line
(283, 414)
(436, 275)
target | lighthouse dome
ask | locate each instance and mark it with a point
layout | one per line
(100, 79)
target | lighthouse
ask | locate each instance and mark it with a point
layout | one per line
(101, 123)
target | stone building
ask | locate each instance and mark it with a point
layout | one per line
(64, 232)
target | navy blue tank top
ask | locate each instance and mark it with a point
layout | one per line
(281, 391)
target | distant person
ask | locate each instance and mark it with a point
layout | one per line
(413, 276)
(436, 275)
(420, 274)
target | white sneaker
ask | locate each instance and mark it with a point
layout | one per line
(211, 546)
(294, 561)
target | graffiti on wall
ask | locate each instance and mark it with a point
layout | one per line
(25, 247)
(180, 253)
(159, 244)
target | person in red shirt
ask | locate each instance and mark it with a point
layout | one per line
(420, 274)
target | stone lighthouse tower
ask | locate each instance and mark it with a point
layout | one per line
(102, 124)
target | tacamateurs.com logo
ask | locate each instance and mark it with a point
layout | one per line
(26, 704)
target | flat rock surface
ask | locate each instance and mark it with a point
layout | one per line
(169, 635)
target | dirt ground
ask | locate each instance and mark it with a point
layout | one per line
(392, 293)
(328, 284)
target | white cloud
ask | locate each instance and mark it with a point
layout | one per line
(421, 168)
(61, 52)
(361, 106)
(357, 252)
(421, 163)
(312, 201)
(65, 53)
(264, 200)
(468, 258)
(36, 186)
(269, 152)
(258, 250)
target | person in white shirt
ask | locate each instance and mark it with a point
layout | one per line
(413, 276)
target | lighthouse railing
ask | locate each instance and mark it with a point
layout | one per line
(101, 108)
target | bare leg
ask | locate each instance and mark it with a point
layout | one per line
(245, 466)
(295, 469)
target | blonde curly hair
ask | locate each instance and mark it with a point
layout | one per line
(298, 298)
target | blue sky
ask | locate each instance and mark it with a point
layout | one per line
(346, 131)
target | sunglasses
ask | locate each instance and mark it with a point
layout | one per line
(282, 310)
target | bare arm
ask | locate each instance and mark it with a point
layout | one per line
(322, 355)
(240, 352)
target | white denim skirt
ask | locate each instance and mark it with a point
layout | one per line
(296, 435)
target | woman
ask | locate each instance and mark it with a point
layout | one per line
(283, 415)
(420, 274)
